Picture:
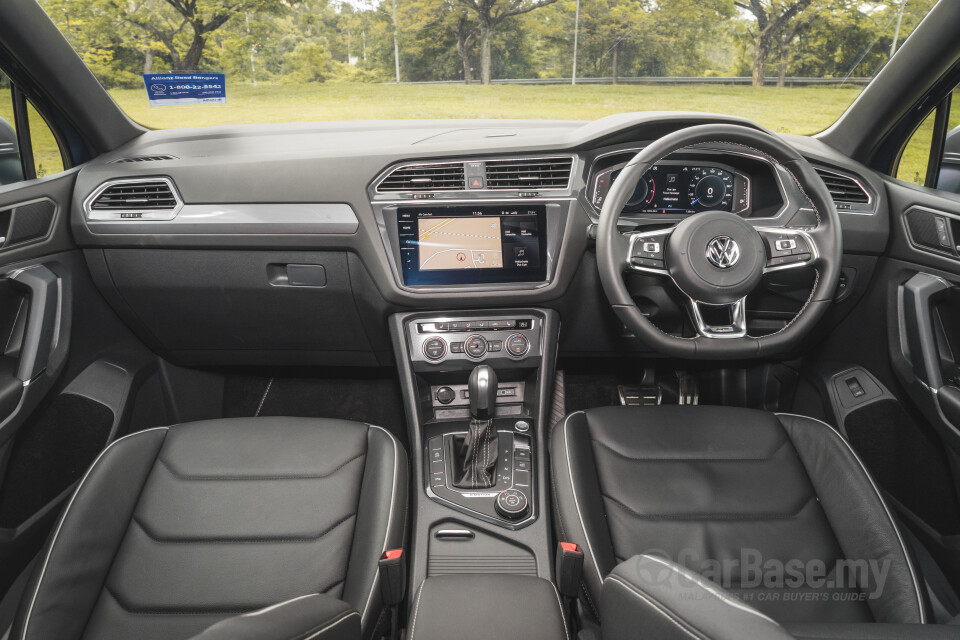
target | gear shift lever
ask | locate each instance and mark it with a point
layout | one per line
(477, 452)
(483, 392)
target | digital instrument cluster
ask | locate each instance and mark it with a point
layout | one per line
(679, 189)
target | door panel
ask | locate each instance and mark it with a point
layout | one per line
(924, 303)
(36, 296)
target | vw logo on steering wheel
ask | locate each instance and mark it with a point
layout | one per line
(723, 252)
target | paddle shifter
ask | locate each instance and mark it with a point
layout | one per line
(476, 453)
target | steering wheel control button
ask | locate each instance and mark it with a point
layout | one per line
(435, 348)
(518, 345)
(475, 347)
(446, 395)
(646, 262)
(512, 504)
(522, 426)
(786, 245)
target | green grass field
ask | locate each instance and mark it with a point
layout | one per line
(790, 110)
(802, 110)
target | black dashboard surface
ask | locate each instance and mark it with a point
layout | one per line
(330, 169)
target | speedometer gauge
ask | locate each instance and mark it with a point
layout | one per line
(710, 188)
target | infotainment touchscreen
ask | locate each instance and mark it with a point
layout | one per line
(472, 244)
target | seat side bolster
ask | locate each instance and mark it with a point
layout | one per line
(74, 565)
(672, 603)
(380, 524)
(578, 501)
(310, 617)
(861, 520)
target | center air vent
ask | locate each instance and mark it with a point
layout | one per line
(844, 190)
(529, 173)
(146, 199)
(428, 177)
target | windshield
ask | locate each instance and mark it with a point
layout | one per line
(792, 65)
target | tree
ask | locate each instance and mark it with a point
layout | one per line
(490, 15)
(773, 20)
(187, 24)
(465, 31)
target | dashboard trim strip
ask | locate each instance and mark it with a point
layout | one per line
(249, 218)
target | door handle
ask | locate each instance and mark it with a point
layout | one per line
(40, 332)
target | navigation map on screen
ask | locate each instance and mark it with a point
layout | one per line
(460, 243)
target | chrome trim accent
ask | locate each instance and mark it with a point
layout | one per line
(152, 215)
(243, 218)
(737, 327)
(383, 175)
(723, 252)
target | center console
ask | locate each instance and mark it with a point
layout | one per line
(477, 395)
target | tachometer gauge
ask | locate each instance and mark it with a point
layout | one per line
(710, 188)
(644, 193)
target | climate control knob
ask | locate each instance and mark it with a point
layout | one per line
(435, 348)
(517, 345)
(475, 347)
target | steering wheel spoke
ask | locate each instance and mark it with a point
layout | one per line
(788, 248)
(646, 251)
(732, 325)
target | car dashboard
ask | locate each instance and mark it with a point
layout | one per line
(332, 226)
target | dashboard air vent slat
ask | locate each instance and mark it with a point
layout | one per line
(532, 173)
(431, 177)
(843, 189)
(138, 196)
(154, 158)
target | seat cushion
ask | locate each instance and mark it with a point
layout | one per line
(174, 529)
(751, 500)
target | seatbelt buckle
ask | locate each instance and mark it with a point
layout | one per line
(569, 568)
(393, 577)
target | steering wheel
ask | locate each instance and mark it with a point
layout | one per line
(716, 258)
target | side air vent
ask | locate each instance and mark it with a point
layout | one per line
(427, 177)
(135, 199)
(843, 189)
(156, 158)
(529, 173)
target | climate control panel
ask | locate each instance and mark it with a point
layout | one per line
(492, 339)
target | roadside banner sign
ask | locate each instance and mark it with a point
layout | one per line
(185, 88)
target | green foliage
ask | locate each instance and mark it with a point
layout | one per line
(331, 40)
(308, 62)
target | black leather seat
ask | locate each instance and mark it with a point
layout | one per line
(176, 529)
(734, 495)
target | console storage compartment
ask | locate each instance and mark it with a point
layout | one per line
(481, 607)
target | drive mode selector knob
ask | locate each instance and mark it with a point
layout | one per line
(517, 345)
(475, 346)
(512, 504)
(435, 348)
